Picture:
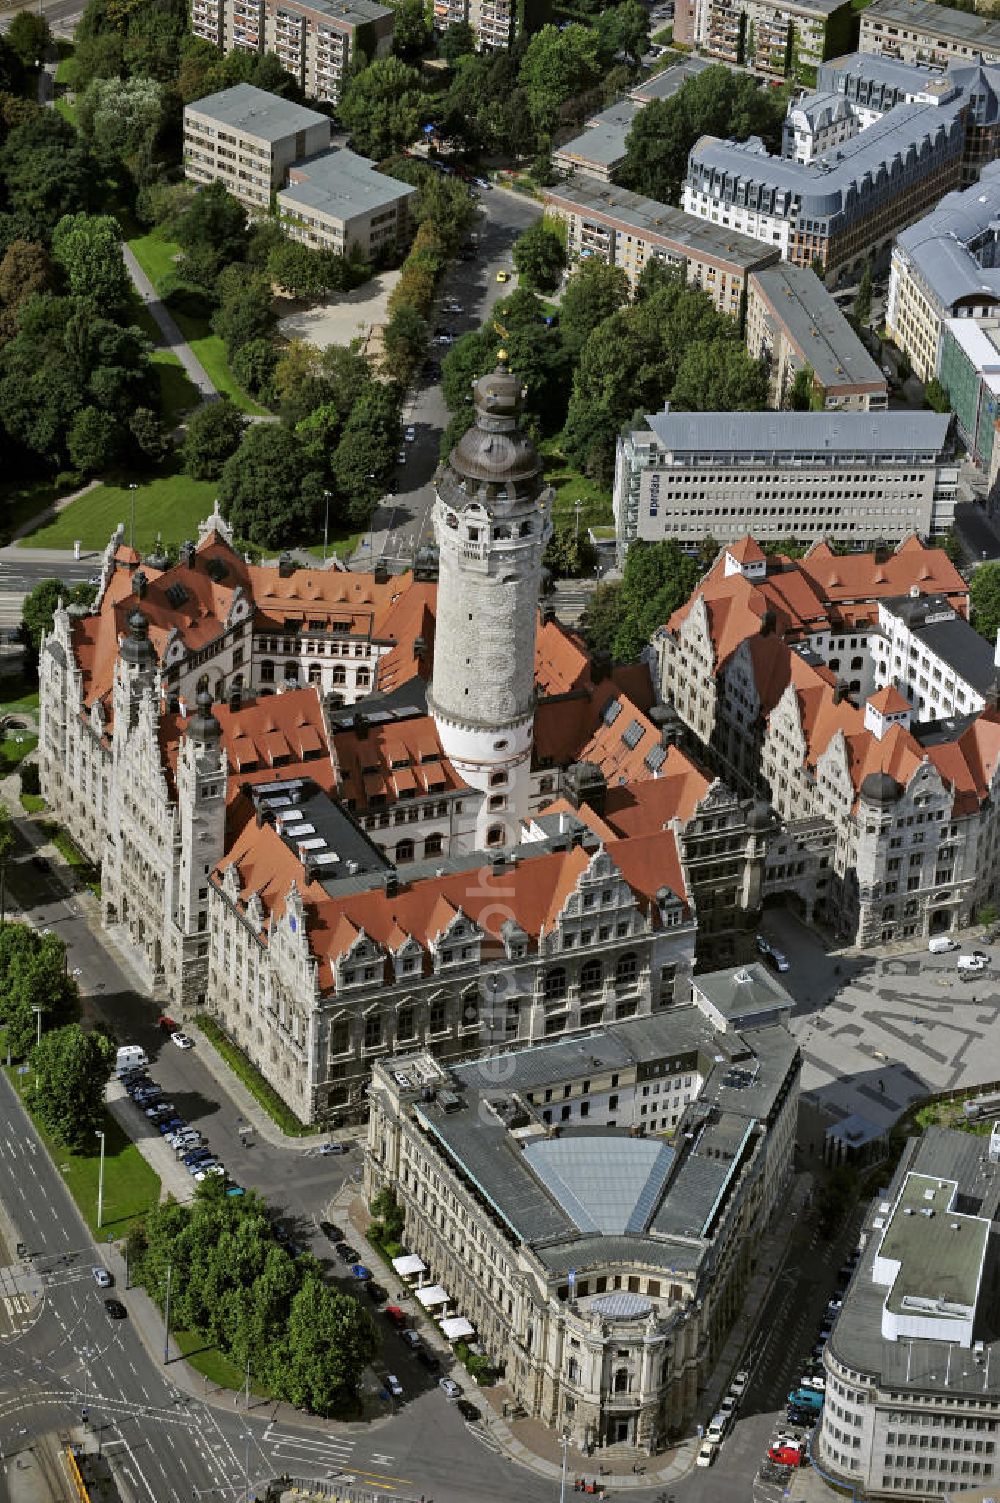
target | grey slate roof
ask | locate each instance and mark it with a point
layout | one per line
(938, 246)
(954, 641)
(891, 72)
(817, 328)
(744, 991)
(256, 112)
(937, 20)
(819, 435)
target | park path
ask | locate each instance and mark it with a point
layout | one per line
(173, 339)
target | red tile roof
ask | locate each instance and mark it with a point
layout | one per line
(889, 701)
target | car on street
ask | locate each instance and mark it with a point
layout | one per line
(116, 1310)
(451, 306)
(169, 1125)
(739, 1384)
(707, 1454)
(409, 433)
(411, 1338)
(195, 1154)
(468, 1411)
(815, 1381)
(401, 457)
(980, 955)
(763, 945)
(727, 1406)
(347, 1252)
(443, 338)
(182, 1040)
(185, 1138)
(325, 1149)
(167, 1023)
(482, 182)
(503, 276)
(393, 1384)
(971, 963)
(397, 1316)
(778, 959)
(449, 1388)
(160, 1109)
(785, 1455)
(361, 1271)
(102, 1278)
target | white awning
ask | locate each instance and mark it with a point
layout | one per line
(454, 1327)
(408, 1264)
(432, 1294)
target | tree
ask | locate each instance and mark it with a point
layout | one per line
(48, 172)
(382, 107)
(411, 32)
(268, 490)
(405, 343)
(39, 607)
(458, 41)
(936, 396)
(570, 555)
(593, 293)
(623, 31)
(802, 392)
(214, 432)
(253, 365)
(540, 256)
(93, 440)
(150, 441)
(984, 593)
(719, 376)
(70, 1070)
(330, 1342)
(246, 312)
(557, 64)
(715, 102)
(601, 617)
(863, 300)
(305, 272)
(32, 975)
(216, 220)
(657, 578)
(122, 118)
(29, 37)
(97, 57)
(88, 247)
(26, 270)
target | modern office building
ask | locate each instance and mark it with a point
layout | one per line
(776, 37)
(968, 368)
(247, 139)
(784, 673)
(946, 266)
(913, 1365)
(338, 201)
(919, 31)
(588, 1210)
(624, 229)
(855, 476)
(844, 206)
(795, 324)
(315, 40)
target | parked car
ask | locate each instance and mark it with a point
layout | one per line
(116, 1310)
(201, 1164)
(331, 1232)
(739, 1384)
(728, 1407)
(778, 959)
(971, 963)
(347, 1252)
(449, 1388)
(707, 1454)
(393, 1384)
(412, 1339)
(210, 1168)
(785, 1455)
(503, 276)
(102, 1278)
(182, 1040)
(160, 1109)
(409, 433)
(166, 1023)
(169, 1125)
(361, 1271)
(763, 945)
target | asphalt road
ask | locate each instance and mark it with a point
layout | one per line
(403, 522)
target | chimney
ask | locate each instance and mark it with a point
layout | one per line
(235, 698)
(286, 566)
(498, 865)
(839, 692)
(390, 884)
(548, 613)
(361, 727)
(140, 584)
(420, 648)
(380, 573)
(187, 553)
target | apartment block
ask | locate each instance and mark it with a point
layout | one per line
(248, 139)
(919, 31)
(856, 476)
(624, 229)
(339, 201)
(946, 266)
(495, 23)
(848, 203)
(776, 37)
(794, 323)
(315, 40)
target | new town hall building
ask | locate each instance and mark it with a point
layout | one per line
(349, 814)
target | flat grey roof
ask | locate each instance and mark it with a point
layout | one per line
(687, 231)
(256, 112)
(743, 990)
(341, 184)
(952, 639)
(817, 328)
(665, 85)
(824, 186)
(940, 1256)
(872, 66)
(937, 20)
(603, 140)
(810, 434)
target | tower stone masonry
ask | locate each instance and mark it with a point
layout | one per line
(492, 521)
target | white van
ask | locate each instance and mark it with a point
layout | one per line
(941, 944)
(717, 1428)
(130, 1057)
(971, 963)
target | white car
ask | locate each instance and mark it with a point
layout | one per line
(971, 963)
(449, 1387)
(182, 1040)
(410, 434)
(203, 1174)
(707, 1454)
(411, 1338)
(394, 1386)
(738, 1386)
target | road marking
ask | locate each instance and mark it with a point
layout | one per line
(379, 1458)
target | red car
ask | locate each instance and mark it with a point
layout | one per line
(783, 1455)
(167, 1024)
(396, 1315)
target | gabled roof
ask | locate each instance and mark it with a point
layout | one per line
(889, 701)
(746, 550)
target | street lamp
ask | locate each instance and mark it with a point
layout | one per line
(166, 1317)
(564, 1442)
(36, 1009)
(100, 1181)
(578, 508)
(326, 521)
(132, 490)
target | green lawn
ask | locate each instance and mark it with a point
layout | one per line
(15, 746)
(177, 391)
(32, 803)
(20, 503)
(168, 505)
(65, 109)
(662, 38)
(131, 1188)
(20, 698)
(569, 486)
(342, 544)
(154, 254)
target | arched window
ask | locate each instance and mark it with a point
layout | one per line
(315, 673)
(404, 851)
(470, 1007)
(591, 977)
(267, 671)
(291, 673)
(495, 835)
(434, 845)
(626, 970)
(555, 983)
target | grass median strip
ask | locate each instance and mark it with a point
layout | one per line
(251, 1077)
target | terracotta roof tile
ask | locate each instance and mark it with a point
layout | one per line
(889, 701)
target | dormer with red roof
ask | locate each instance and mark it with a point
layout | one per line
(886, 709)
(746, 558)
